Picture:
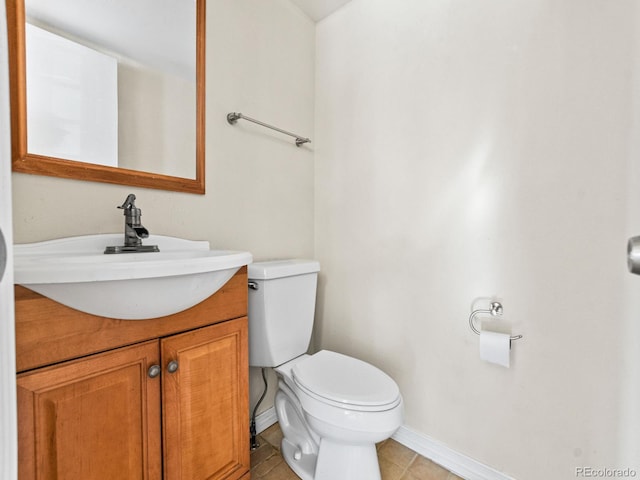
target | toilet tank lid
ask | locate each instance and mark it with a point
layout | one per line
(281, 268)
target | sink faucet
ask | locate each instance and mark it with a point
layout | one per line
(134, 232)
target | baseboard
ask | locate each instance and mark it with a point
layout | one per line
(265, 419)
(455, 462)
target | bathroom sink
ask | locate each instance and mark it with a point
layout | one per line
(74, 271)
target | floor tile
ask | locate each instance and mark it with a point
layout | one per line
(273, 435)
(396, 453)
(389, 470)
(266, 466)
(424, 469)
(262, 453)
(280, 472)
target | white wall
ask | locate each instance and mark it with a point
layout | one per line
(471, 149)
(260, 61)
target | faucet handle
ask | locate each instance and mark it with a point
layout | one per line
(129, 203)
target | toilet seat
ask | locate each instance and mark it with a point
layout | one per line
(345, 382)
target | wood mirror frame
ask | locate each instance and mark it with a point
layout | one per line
(23, 161)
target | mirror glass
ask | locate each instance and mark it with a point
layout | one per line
(110, 90)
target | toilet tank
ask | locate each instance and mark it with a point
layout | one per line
(282, 299)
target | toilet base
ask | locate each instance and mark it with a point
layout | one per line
(337, 461)
(303, 464)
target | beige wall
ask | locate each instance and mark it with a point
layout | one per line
(260, 61)
(156, 121)
(473, 149)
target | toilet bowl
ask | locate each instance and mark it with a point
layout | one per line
(332, 408)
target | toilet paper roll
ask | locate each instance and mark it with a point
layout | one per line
(495, 347)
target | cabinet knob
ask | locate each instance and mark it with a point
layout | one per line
(172, 366)
(154, 371)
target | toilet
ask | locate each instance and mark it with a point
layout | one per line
(332, 408)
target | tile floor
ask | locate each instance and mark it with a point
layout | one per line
(397, 462)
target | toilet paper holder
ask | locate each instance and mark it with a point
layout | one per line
(496, 310)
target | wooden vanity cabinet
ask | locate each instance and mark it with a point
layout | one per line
(205, 403)
(97, 417)
(163, 399)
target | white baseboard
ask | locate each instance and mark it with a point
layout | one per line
(455, 462)
(265, 419)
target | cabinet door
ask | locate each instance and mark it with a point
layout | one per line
(97, 418)
(205, 403)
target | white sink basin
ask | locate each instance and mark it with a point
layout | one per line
(74, 271)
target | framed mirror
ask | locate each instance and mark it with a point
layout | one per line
(109, 90)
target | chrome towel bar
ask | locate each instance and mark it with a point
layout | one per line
(233, 117)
